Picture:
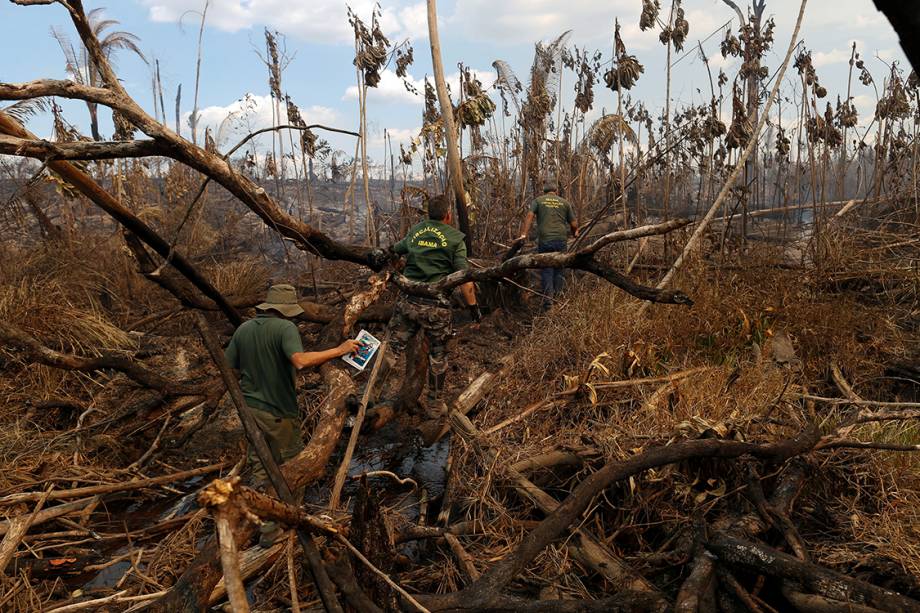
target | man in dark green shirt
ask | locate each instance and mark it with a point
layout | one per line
(268, 352)
(555, 219)
(433, 249)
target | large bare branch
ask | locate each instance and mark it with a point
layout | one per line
(211, 164)
(91, 150)
(583, 259)
(34, 351)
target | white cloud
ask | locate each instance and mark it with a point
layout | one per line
(391, 89)
(397, 135)
(232, 122)
(322, 21)
(526, 21)
(717, 63)
(834, 56)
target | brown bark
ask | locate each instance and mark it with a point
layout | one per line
(356, 429)
(454, 166)
(52, 513)
(248, 500)
(50, 151)
(226, 521)
(370, 536)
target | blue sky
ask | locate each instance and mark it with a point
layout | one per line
(475, 32)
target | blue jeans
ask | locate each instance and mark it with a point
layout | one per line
(551, 279)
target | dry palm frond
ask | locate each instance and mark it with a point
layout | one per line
(783, 144)
(478, 107)
(372, 46)
(650, 9)
(547, 66)
(847, 116)
(625, 74)
(307, 137)
(626, 70)
(274, 65)
(741, 130)
(604, 132)
(404, 59)
(730, 45)
(26, 109)
(680, 31)
(507, 83)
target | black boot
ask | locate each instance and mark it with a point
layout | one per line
(435, 404)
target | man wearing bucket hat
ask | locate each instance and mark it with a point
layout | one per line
(268, 352)
(555, 219)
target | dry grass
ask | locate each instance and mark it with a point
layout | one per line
(596, 336)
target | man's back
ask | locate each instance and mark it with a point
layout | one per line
(554, 216)
(261, 350)
(433, 250)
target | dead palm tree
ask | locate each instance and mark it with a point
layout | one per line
(80, 65)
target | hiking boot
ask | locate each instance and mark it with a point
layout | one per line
(434, 408)
(269, 533)
(435, 386)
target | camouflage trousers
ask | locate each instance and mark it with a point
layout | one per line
(434, 320)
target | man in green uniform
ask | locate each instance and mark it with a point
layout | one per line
(433, 249)
(555, 219)
(268, 352)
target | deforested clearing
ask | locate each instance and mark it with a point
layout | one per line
(634, 328)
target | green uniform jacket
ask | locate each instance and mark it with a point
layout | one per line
(433, 250)
(261, 350)
(554, 218)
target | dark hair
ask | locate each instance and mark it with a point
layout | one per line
(438, 207)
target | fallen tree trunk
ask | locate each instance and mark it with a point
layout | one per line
(36, 352)
(823, 581)
(92, 490)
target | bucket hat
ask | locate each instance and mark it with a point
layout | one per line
(281, 298)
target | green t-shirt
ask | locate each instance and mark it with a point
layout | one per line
(554, 217)
(261, 350)
(433, 250)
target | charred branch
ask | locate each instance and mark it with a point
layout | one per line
(823, 581)
(46, 150)
(482, 591)
(580, 259)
